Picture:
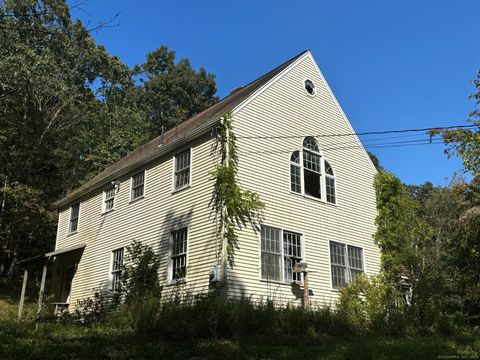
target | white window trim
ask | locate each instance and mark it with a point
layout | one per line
(334, 177)
(110, 270)
(131, 200)
(347, 267)
(323, 183)
(104, 199)
(70, 219)
(302, 249)
(174, 190)
(170, 280)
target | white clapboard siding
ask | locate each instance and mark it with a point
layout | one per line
(149, 220)
(285, 109)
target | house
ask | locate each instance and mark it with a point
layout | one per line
(317, 188)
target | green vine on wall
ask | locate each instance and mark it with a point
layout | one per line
(234, 207)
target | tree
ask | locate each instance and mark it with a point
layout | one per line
(173, 92)
(465, 142)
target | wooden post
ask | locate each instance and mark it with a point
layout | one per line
(305, 289)
(42, 287)
(22, 295)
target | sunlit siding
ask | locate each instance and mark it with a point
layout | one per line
(148, 220)
(286, 109)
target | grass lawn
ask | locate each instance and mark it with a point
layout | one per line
(27, 340)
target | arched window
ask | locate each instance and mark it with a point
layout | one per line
(306, 175)
(330, 183)
(312, 173)
(295, 169)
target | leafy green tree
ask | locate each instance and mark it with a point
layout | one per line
(173, 92)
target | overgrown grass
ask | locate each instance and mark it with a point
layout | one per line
(212, 329)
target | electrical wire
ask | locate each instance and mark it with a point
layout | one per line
(359, 134)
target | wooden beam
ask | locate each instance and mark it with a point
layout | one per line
(22, 295)
(305, 289)
(42, 287)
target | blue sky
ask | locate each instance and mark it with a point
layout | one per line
(391, 64)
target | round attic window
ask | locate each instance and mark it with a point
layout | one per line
(310, 87)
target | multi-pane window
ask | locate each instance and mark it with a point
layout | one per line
(271, 254)
(292, 254)
(117, 263)
(295, 177)
(138, 185)
(108, 199)
(179, 254)
(74, 214)
(311, 167)
(330, 183)
(346, 262)
(182, 170)
(280, 251)
(306, 172)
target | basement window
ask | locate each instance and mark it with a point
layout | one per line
(310, 87)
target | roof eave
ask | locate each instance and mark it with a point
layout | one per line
(160, 151)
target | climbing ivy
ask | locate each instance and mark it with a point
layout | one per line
(234, 208)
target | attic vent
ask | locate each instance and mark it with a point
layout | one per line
(236, 90)
(310, 87)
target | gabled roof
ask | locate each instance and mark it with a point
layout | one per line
(187, 130)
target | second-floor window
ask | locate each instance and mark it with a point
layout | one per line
(74, 215)
(182, 170)
(138, 184)
(108, 199)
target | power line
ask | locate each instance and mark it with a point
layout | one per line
(359, 134)
(336, 148)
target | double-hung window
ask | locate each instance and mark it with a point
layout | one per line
(346, 263)
(74, 215)
(138, 186)
(178, 259)
(182, 170)
(116, 272)
(108, 199)
(280, 251)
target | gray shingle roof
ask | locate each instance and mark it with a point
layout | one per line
(152, 148)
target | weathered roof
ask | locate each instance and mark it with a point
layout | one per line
(152, 148)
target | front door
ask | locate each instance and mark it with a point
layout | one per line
(67, 283)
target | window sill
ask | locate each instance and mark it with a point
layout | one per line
(289, 283)
(137, 199)
(107, 212)
(181, 189)
(308, 197)
(177, 282)
(72, 233)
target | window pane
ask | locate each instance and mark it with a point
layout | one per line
(337, 253)
(330, 188)
(271, 265)
(271, 254)
(138, 182)
(179, 254)
(295, 178)
(312, 183)
(311, 161)
(328, 169)
(182, 170)
(311, 144)
(355, 258)
(338, 276)
(292, 254)
(295, 158)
